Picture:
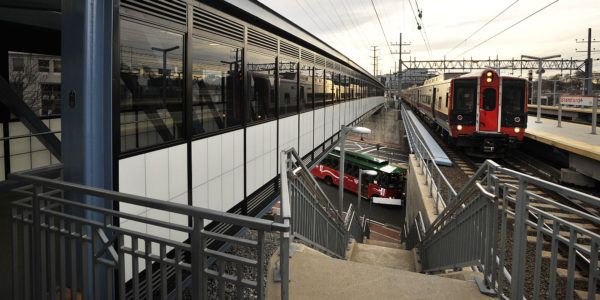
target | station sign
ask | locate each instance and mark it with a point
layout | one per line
(578, 100)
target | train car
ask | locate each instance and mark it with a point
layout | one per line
(388, 183)
(480, 111)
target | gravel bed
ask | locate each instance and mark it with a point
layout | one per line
(271, 244)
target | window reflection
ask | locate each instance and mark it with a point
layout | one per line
(306, 87)
(319, 87)
(328, 88)
(151, 91)
(261, 86)
(336, 87)
(288, 86)
(513, 95)
(216, 87)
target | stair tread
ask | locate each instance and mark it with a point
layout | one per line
(383, 256)
(583, 294)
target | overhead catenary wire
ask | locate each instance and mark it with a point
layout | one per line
(364, 43)
(507, 28)
(382, 31)
(483, 26)
(323, 22)
(422, 36)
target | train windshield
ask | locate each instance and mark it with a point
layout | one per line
(465, 94)
(513, 95)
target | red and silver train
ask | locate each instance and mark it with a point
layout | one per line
(479, 111)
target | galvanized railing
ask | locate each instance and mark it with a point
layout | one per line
(434, 178)
(413, 234)
(313, 218)
(474, 231)
(353, 224)
(64, 248)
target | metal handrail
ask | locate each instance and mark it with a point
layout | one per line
(313, 217)
(425, 159)
(472, 222)
(54, 222)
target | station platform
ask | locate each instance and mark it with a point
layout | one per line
(572, 137)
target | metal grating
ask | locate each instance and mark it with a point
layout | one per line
(288, 49)
(319, 60)
(329, 64)
(261, 40)
(215, 24)
(165, 9)
(307, 56)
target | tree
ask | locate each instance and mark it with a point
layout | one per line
(26, 83)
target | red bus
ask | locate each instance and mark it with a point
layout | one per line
(388, 183)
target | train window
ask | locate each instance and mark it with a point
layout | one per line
(288, 86)
(151, 86)
(446, 99)
(261, 86)
(336, 87)
(216, 86)
(465, 93)
(513, 95)
(440, 102)
(306, 87)
(319, 88)
(489, 99)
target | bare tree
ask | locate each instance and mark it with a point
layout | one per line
(26, 83)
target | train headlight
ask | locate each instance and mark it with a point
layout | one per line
(517, 129)
(489, 74)
(459, 127)
(489, 79)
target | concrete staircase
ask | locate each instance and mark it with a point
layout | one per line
(374, 270)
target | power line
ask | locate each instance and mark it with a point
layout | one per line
(383, 31)
(509, 27)
(344, 24)
(419, 28)
(479, 29)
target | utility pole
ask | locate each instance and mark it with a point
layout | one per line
(374, 57)
(399, 74)
(539, 89)
(588, 62)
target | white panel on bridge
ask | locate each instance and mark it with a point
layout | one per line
(261, 148)
(328, 121)
(288, 133)
(161, 175)
(342, 113)
(319, 126)
(336, 119)
(306, 133)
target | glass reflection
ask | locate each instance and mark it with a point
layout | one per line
(319, 87)
(328, 88)
(216, 87)
(288, 86)
(261, 86)
(306, 87)
(151, 86)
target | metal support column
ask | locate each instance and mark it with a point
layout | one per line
(87, 47)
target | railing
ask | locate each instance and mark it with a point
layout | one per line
(313, 217)
(366, 228)
(434, 178)
(474, 231)
(64, 247)
(353, 224)
(415, 232)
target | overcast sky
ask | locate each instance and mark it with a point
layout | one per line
(351, 27)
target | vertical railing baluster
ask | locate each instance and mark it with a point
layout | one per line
(85, 251)
(220, 280)
(571, 263)
(122, 281)
(240, 276)
(593, 270)
(73, 255)
(163, 270)
(197, 254)
(63, 258)
(135, 270)
(16, 291)
(36, 262)
(149, 276)
(260, 250)
(95, 264)
(178, 276)
(538, 257)
(553, 259)
(51, 255)
(27, 259)
(520, 241)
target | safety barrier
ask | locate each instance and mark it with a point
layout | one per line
(313, 218)
(471, 231)
(353, 224)
(64, 247)
(434, 178)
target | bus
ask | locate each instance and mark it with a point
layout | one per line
(388, 183)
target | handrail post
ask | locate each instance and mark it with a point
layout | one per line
(520, 241)
(197, 258)
(36, 246)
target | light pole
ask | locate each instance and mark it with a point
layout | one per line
(540, 71)
(343, 134)
(360, 172)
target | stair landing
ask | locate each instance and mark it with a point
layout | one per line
(384, 257)
(314, 275)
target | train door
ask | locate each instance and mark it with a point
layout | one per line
(488, 109)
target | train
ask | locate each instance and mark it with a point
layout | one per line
(480, 112)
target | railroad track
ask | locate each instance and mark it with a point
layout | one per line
(521, 162)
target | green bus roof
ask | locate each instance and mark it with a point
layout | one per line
(368, 161)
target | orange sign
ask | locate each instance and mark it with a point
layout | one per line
(577, 100)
